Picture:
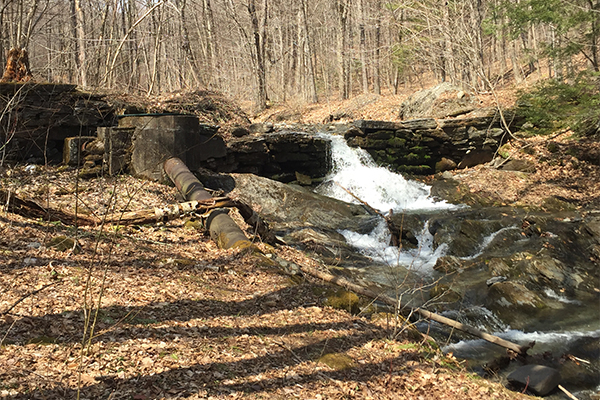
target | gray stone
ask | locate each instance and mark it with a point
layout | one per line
(419, 123)
(261, 127)
(441, 101)
(538, 379)
(519, 165)
(159, 137)
(476, 157)
(117, 148)
(239, 131)
(367, 126)
(495, 279)
(444, 164)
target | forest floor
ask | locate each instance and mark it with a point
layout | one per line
(172, 316)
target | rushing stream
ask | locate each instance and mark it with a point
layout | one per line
(354, 171)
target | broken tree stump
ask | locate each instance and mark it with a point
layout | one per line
(17, 67)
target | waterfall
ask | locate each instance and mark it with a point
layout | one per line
(354, 171)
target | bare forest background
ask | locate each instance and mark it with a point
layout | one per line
(271, 51)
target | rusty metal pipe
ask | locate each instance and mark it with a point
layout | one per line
(187, 183)
(223, 230)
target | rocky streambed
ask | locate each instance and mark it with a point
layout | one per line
(523, 274)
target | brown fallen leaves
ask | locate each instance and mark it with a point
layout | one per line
(567, 169)
(180, 318)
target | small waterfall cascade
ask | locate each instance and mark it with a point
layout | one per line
(355, 171)
(355, 175)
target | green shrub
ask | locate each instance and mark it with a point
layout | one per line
(553, 105)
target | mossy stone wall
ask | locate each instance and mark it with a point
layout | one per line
(415, 146)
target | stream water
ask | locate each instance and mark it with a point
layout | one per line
(354, 171)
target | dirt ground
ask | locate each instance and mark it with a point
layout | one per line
(158, 311)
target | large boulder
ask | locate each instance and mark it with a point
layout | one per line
(301, 217)
(441, 101)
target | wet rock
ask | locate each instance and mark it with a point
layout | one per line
(302, 217)
(496, 279)
(580, 365)
(448, 264)
(514, 303)
(538, 379)
(303, 179)
(445, 293)
(444, 164)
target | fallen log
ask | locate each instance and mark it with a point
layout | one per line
(168, 213)
(32, 209)
(343, 282)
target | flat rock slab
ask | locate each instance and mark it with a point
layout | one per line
(538, 379)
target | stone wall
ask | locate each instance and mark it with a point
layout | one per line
(425, 146)
(277, 155)
(40, 116)
(140, 144)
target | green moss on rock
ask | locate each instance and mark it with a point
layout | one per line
(337, 361)
(343, 300)
(63, 243)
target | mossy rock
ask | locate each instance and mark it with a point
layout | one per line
(343, 300)
(415, 169)
(376, 144)
(445, 293)
(397, 142)
(191, 224)
(552, 204)
(337, 361)
(380, 135)
(63, 243)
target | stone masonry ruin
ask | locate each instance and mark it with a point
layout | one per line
(48, 122)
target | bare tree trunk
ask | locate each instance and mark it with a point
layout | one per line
(376, 60)
(211, 39)
(363, 46)
(80, 43)
(342, 8)
(259, 51)
(308, 54)
(514, 58)
(186, 43)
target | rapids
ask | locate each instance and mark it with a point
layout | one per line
(353, 171)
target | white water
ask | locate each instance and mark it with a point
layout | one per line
(374, 245)
(355, 171)
(544, 341)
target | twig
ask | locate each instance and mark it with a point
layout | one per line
(569, 394)
(337, 280)
(28, 295)
(371, 209)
